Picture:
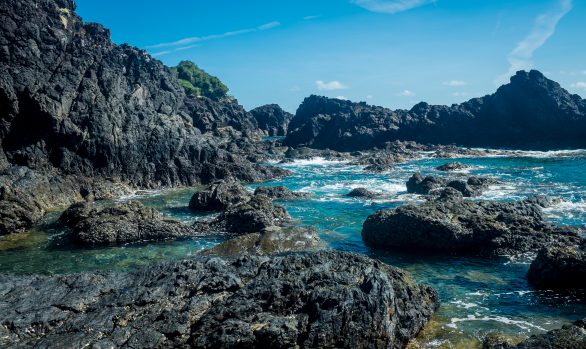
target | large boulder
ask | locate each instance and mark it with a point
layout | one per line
(272, 120)
(219, 196)
(362, 193)
(572, 336)
(450, 223)
(418, 184)
(308, 300)
(530, 112)
(281, 193)
(127, 222)
(473, 186)
(559, 267)
(452, 166)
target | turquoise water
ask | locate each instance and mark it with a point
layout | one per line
(478, 295)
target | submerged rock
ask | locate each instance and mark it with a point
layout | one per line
(473, 186)
(281, 193)
(247, 217)
(362, 193)
(128, 222)
(269, 241)
(452, 166)
(559, 267)
(219, 196)
(568, 337)
(309, 300)
(450, 223)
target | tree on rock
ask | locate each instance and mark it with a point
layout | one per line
(197, 82)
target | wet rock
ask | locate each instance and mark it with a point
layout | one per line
(281, 193)
(127, 222)
(543, 200)
(417, 184)
(219, 196)
(362, 193)
(272, 120)
(309, 300)
(450, 223)
(250, 216)
(559, 267)
(378, 168)
(269, 241)
(18, 211)
(571, 336)
(452, 166)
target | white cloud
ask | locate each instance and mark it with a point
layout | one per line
(309, 18)
(579, 84)
(454, 83)
(342, 98)
(406, 93)
(391, 6)
(330, 86)
(543, 28)
(166, 52)
(369, 97)
(194, 39)
(269, 25)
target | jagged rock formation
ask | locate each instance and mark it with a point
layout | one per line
(272, 120)
(559, 267)
(329, 299)
(127, 222)
(531, 112)
(450, 223)
(74, 105)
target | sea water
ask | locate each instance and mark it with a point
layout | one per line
(478, 295)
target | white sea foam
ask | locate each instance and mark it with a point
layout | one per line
(524, 325)
(317, 161)
(501, 191)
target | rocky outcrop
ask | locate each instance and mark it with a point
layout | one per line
(473, 186)
(452, 166)
(571, 336)
(362, 193)
(329, 299)
(559, 267)
(531, 112)
(418, 184)
(272, 120)
(219, 196)
(271, 240)
(450, 223)
(281, 193)
(103, 111)
(250, 216)
(127, 222)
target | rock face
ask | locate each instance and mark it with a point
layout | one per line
(452, 166)
(250, 216)
(531, 112)
(362, 193)
(271, 240)
(559, 267)
(219, 196)
(450, 223)
(281, 193)
(310, 300)
(568, 337)
(127, 222)
(272, 120)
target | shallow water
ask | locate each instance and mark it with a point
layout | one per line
(478, 295)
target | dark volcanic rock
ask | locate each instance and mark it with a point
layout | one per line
(209, 115)
(568, 337)
(219, 196)
(281, 193)
(127, 222)
(419, 185)
(271, 240)
(271, 119)
(452, 166)
(378, 168)
(531, 112)
(559, 267)
(362, 193)
(310, 300)
(250, 216)
(450, 223)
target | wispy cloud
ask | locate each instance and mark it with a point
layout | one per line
(454, 83)
(194, 39)
(406, 93)
(543, 28)
(309, 18)
(342, 98)
(391, 6)
(166, 52)
(580, 84)
(330, 86)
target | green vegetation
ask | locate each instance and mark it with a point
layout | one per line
(197, 82)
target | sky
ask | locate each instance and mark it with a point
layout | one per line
(393, 53)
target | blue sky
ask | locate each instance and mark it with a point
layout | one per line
(393, 53)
